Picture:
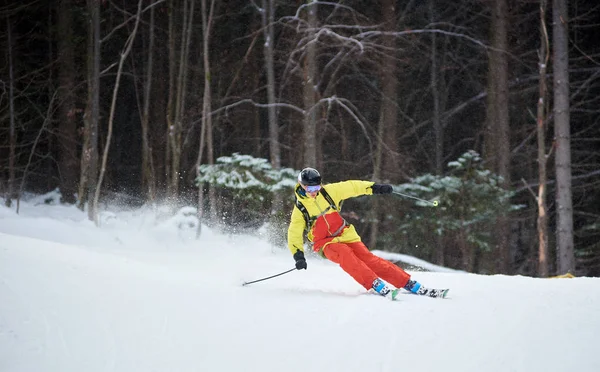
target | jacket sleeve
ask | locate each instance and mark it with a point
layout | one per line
(295, 234)
(349, 189)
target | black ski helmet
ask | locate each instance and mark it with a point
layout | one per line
(309, 177)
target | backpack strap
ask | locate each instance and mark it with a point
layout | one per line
(302, 209)
(327, 197)
(330, 199)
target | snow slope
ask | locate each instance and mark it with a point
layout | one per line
(139, 294)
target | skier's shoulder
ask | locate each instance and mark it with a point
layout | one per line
(334, 187)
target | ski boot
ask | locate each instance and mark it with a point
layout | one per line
(381, 287)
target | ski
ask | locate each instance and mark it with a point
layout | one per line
(435, 293)
(429, 292)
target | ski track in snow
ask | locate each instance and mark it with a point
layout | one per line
(133, 302)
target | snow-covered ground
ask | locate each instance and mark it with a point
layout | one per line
(140, 294)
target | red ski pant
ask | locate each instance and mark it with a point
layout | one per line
(364, 266)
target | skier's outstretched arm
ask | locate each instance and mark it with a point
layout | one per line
(353, 188)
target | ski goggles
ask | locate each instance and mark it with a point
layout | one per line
(312, 189)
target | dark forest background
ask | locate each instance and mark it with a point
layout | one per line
(102, 98)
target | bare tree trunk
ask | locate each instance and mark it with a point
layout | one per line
(435, 96)
(148, 176)
(268, 18)
(564, 203)
(67, 127)
(542, 220)
(158, 141)
(182, 79)
(386, 167)
(178, 77)
(13, 137)
(52, 146)
(171, 101)
(309, 88)
(498, 139)
(113, 105)
(94, 10)
(503, 131)
(86, 150)
(437, 125)
(206, 107)
(210, 151)
(256, 122)
(268, 9)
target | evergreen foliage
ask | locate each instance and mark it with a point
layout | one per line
(470, 200)
(247, 186)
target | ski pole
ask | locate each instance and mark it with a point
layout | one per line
(435, 203)
(268, 277)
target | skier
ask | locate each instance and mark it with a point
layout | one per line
(317, 211)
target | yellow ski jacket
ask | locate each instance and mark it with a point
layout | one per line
(326, 224)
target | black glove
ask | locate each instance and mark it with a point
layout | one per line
(300, 260)
(382, 189)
